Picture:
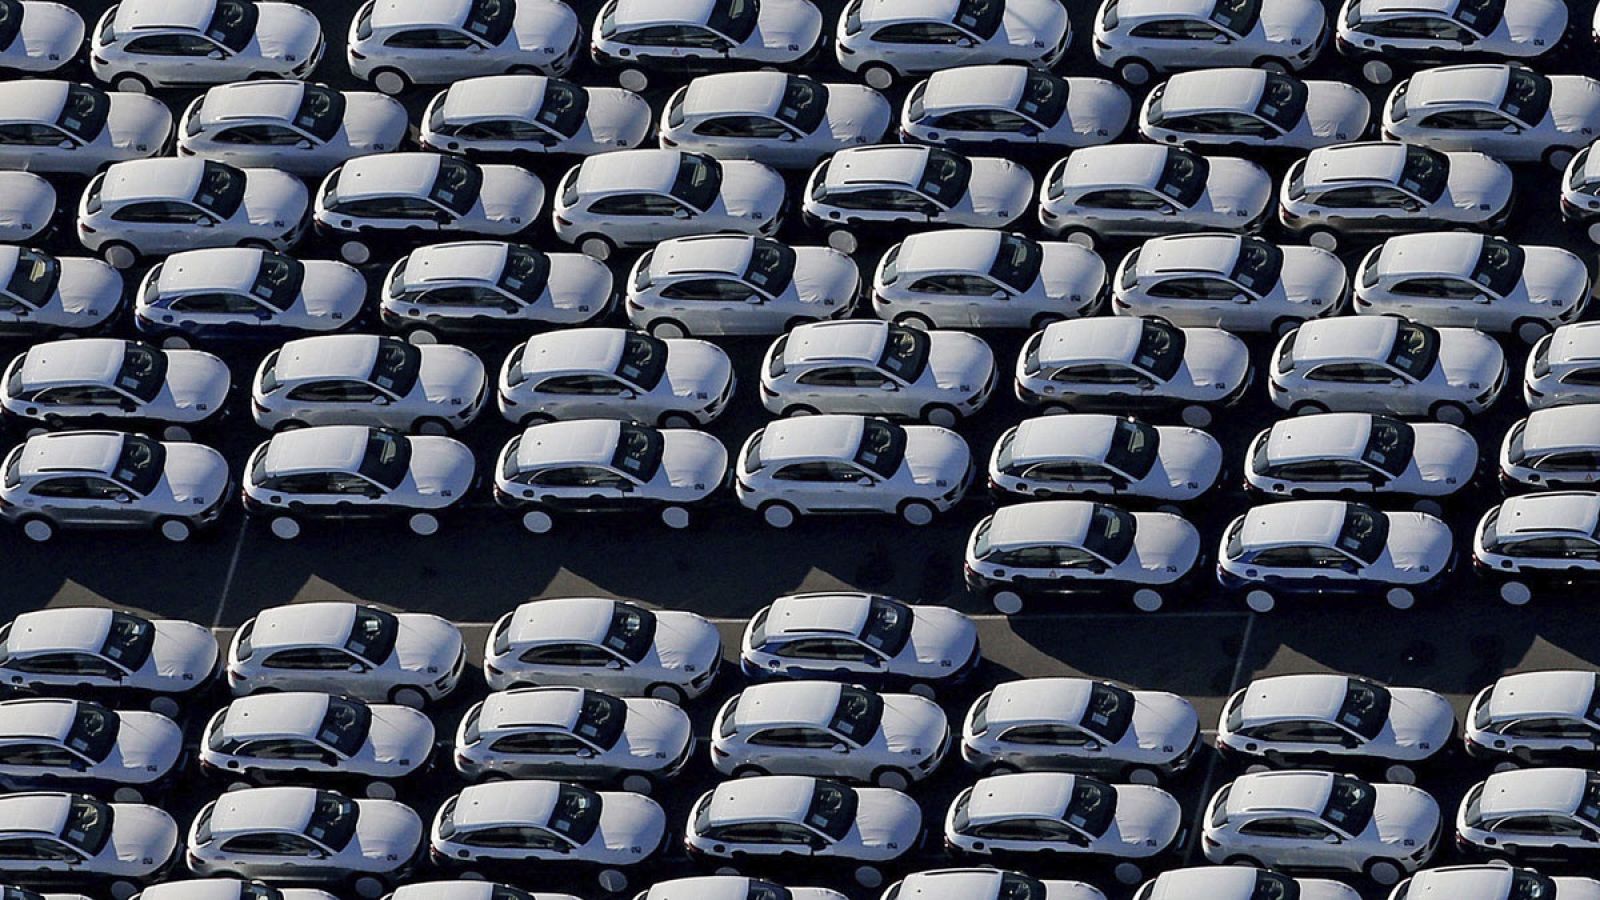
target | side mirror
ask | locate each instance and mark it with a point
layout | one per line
(1481, 298)
(753, 299)
(628, 394)
(215, 54)
(1029, 131)
(613, 664)
(965, 43)
(380, 400)
(999, 295)
(840, 748)
(1411, 206)
(1330, 839)
(788, 137)
(356, 667)
(1221, 39)
(680, 213)
(122, 498)
(889, 386)
(65, 145)
(1511, 129)
(302, 144)
(863, 480)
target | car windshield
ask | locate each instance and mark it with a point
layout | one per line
(632, 631)
(771, 266)
(1017, 886)
(457, 186)
(858, 715)
(734, 19)
(1425, 172)
(1365, 708)
(945, 177)
(832, 810)
(345, 726)
(888, 626)
(1350, 804)
(600, 719)
(1133, 449)
(373, 634)
(1499, 266)
(139, 468)
(233, 24)
(1237, 16)
(1257, 266)
(278, 280)
(525, 273)
(388, 458)
(766, 890)
(1044, 97)
(88, 824)
(699, 180)
(1415, 348)
(321, 111)
(1092, 807)
(333, 820)
(1527, 884)
(10, 21)
(644, 360)
(1283, 100)
(905, 353)
(638, 452)
(980, 17)
(1274, 886)
(1527, 97)
(1183, 177)
(221, 189)
(144, 370)
(563, 108)
(93, 732)
(255, 890)
(1482, 16)
(1109, 713)
(130, 638)
(85, 111)
(34, 279)
(1389, 445)
(1589, 805)
(1160, 350)
(883, 447)
(805, 101)
(576, 814)
(490, 20)
(396, 366)
(1110, 534)
(1017, 261)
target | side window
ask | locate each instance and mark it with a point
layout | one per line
(1350, 373)
(462, 298)
(917, 33)
(335, 392)
(216, 303)
(842, 376)
(579, 476)
(1120, 198)
(430, 39)
(42, 755)
(171, 45)
(1272, 828)
(803, 738)
(1097, 373)
(1466, 120)
(538, 742)
(585, 385)
(627, 205)
(314, 658)
(741, 127)
(1586, 377)
(64, 664)
(1194, 288)
(656, 36)
(719, 290)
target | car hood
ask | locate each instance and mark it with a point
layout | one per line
(822, 273)
(332, 291)
(1575, 104)
(617, 117)
(1188, 456)
(1553, 274)
(89, 287)
(655, 730)
(1469, 358)
(441, 468)
(1037, 22)
(147, 743)
(576, 280)
(51, 28)
(426, 643)
(1146, 820)
(1326, 889)
(1213, 358)
(138, 123)
(1405, 816)
(386, 831)
(959, 361)
(29, 201)
(999, 188)
(195, 474)
(1444, 451)
(1477, 182)
(856, 114)
(1098, 107)
(286, 32)
(697, 370)
(195, 377)
(750, 190)
(142, 837)
(1419, 544)
(1285, 19)
(1162, 722)
(273, 199)
(1530, 21)
(1311, 273)
(936, 457)
(787, 24)
(693, 460)
(400, 735)
(1575, 887)
(1336, 111)
(630, 824)
(183, 648)
(511, 194)
(1071, 273)
(448, 373)
(540, 24)
(686, 642)
(887, 824)
(1165, 545)
(912, 725)
(1237, 186)
(1419, 719)
(940, 636)
(374, 121)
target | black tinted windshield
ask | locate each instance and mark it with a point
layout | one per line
(1527, 97)
(1364, 533)
(1283, 100)
(1350, 804)
(344, 727)
(278, 280)
(34, 279)
(1257, 266)
(1499, 266)
(1183, 178)
(1365, 708)
(883, 447)
(1389, 445)
(144, 370)
(577, 814)
(396, 366)
(601, 718)
(1415, 349)
(1017, 886)
(321, 111)
(1160, 350)
(832, 810)
(85, 112)
(735, 19)
(1589, 806)
(88, 824)
(1017, 261)
(638, 452)
(1425, 172)
(905, 353)
(333, 820)
(1092, 807)
(1274, 886)
(1109, 713)
(1110, 535)
(130, 638)
(1044, 97)
(563, 108)
(888, 626)
(980, 17)
(699, 180)
(1237, 16)
(388, 458)
(644, 360)
(490, 20)
(221, 189)
(1527, 884)
(10, 21)
(945, 177)
(139, 467)
(1482, 16)
(858, 715)
(93, 732)
(632, 631)
(457, 185)
(233, 24)
(526, 272)
(771, 266)
(805, 101)
(373, 634)
(1133, 449)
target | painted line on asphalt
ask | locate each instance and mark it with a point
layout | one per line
(227, 581)
(976, 617)
(1216, 756)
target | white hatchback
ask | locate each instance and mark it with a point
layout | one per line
(42, 294)
(783, 120)
(114, 650)
(142, 44)
(1237, 108)
(79, 743)
(362, 379)
(1139, 37)
(534, 115)
(1564, 367)
(981, 278)
(1339, 454)
(1543, 540)
(243, 293)
(1098, 454)
(1508, 111)
(75, 129)
(1544, 815)
(1535, 718)
(899, 185)
(474, 288)
(1442, 31)
(1556, 448)
(673, 34)
(58, 836)
(883, 39)
(305, 129)
(1013, 105)
(397, 43)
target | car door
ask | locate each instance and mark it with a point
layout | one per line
(797, 750)
(1275, 841)
(917, 46)
(545, 754)
(1054, 746)
(434, 54)
(216, 314)
(37, 856)
(716, 306)
(1549, 838)
(176, 58)
(86, 500)
(587, 488)
(586, 396)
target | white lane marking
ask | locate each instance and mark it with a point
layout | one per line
(1197, 826)
(227, 582)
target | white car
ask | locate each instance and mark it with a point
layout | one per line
(157, 206)
(1291, 720)
(1333, 547)
(246, 294)
(468, 889)
(574, 733)
(1143, 190)
(1140, 37)
(89, 381)
(1240, 883)
(474, 288)
(362, 379)
(505, 827)
(75, 129)
(830, 730)
(1508, 111)
(1532, 814)
(1564, 367)
(360, 651)
(1535, 718)
(875, 368)
(1552, 449)
(61, 296)
(115, 651)
(144, 44)
(1348, 191)
(304, 129)
(72, 743)
(27, 204)
(636, 197)
(1580, 192)
(1385, 364)
(1039, 815)
(613, 373)
(1319, 821)
(1473, 281)
(726, 284)
(1491, 881)
(301, 834)
(348, 472)
(1014, 106)
(397, 43)
(671, 34)
(603, 465)
(1240, 283)
(988, 883)
(312, 735)
(38, 37)
(883, 39)
(406, 193)
(1080, 547)
(534, 115)
(860, 638)
(226, 889)
(982, 278)
(1236, 107)
(54, 836)
(610, 645)
(1097, 454)
(1128, 363)
(783, 120)
(106, 480)
(1444, 30)
(852, 464)
(862, 187)
(1339, 454)
(1080, 725)
(764, 819)
(734, 887)
(1544, 540)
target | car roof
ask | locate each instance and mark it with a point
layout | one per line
(883, 164)
(1470, 882)
(1296, 522)
(494, 97)
(160, 178)
(1432, 253)
(506, 803)
(1362, 161)
(1043, 795)
(195, 889)
(35, 812)
(328, 356)
(1326, 436)
(1164, 9)
(404, 13)
(1560, 692)
(79, 361)
(1080, 436)
(322, 449)
(1454, 86)
(49, 630)
(267, 715)
(71, 451)
(459, 890)
(1393, 7)
(1098, 339)
(841, 612)
(1129, 165)
(1344, 338)
(303, 624)
(965, 87)
(211, 269)
(954, 884)
(879, 12)
(1561, 428)
(1211, 882)
(811, 437)
(187, 14)
(701, 887)
(455, 261)
(1316, 696)
(951, 250)
(629, 170)
(1041, 522)
(388, 175)
(252, 100)
(574, 349)
(631, 14)
(757, 93)
(1566, 511)
(1579, 342)
(722, 253)
(1036, 700)
(1213, 89)
(846, 339)
(1524, 791)
(783, 798)
(33, 100)
(264, 809)
(47, 718)
(556, 707)
(1189, 253)
(559, 619)
(1273, 791)
(787, 703)
(573, 442)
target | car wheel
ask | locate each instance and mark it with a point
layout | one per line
(675, 517)
(1400, 598)
(119, 255)
(127, 794)
(633, 80)
(878, 77)
(423, 524)
(638, 783)
(1322, 238)
(1044, 320)
(1376, 71)
(668, 692)
(1558, 157)
(1127, 873)
(941, 414)
(406, 695)
(1430, 507)
(1196, 416)
(1147, 600)
(390, 81)
(367, 887)
(165, 706)
(289, 425)
(1141, 775)
(38, 529)
(889, 777)
(1283, 325)
(1529, 331)
(1516, 593)
(176, 342)
(676, 420)
(1260, 601)
(131, 83)
(1249, 862)
(284, 528)
(175, 433)
(421, 336)
(175, 530)
(122, 890)
(843, 240)
(380, 790)
(798, 410)
(917, 321)
(1449, 412)
(1383, 871)
(1399, 773)
(1135, 72)
(778, 514)
(1055, 408)
(596, 246)
(431, 425)
(355, 252)
(1006, 602)
(1272, 64)
(1307, 408)
(667, 329)
(537, 521)
(916, 513)
(529, 420)
(1083, 237)
(1000, 768)
(869, 876)
(749, 772)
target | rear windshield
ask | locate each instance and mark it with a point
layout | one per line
(1183, 178)
(221, 189)
(278, 280)
(387, 460)
(1109, 713)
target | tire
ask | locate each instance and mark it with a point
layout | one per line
(1383, 871)
(891, 777)
(1449, 412)
(596, 246)
(176, 433)
(1321, 237)
(942, 414)
(119, 255)
(537, 521)
(1246, 861)
(174, 529)
(1307, 408)
(917, 321)
(1006, 601)
(668, 692)
(529, 420)
(1260, 600)
(1044, 320)
(177, 342)
(1083, 237)
(284, 527)
(667, 329)
(1148, 600)
(799, 409)
(778, 514)
(409, 696)
(879, 77)
(1141, 775)
(423, 524)
(355, 251)
(1400, 598)
(1135, 72)
(390, 81)
(431, 425)
(638, 783)
(1558, 157)
(1273, 64)
(676, 517)
(1529, 331)
(916, 513)
(367, 887)
(131, 82)
(676, 420)
(1515, 593)
(749, 772)
(38, 529)
(420, 335)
